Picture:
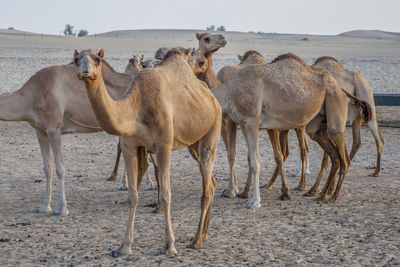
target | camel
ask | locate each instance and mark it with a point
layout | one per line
(355, 84)
(225, 74)
(54, 102)
(287, 94)
(164, 109)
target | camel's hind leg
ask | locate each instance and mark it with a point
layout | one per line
(131, 165)
(301, 137)
(324, 166)
(284, 142)
(379, 141)
(54, 135)
(114, 174)
(356, 131)
(279, 159)
(207, 149)
(47, 168)
(232, 189)
(149, 182)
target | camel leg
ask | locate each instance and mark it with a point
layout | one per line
(284, 142)
(114, 174)
(279, 159)
(252, 145)
(356, 130)
(159, 208)
(149, 181)
(131, 165)
(301, 137)
(324, 166)
(123, 183)
(379, 141)
(247, 189)
(232, 188)
(54, 135)
(207, 147)
(163, 160)
(47, 168)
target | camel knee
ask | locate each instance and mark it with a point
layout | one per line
(205, 155)
(60, 170)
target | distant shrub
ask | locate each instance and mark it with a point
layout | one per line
(211, 28)
(83, 33)
(221, 28)
(11, 28)
(305, 39)
(69, 30)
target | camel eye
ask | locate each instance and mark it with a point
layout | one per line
(201, 63)
(76, 61)
(97, 60)
(207, 39)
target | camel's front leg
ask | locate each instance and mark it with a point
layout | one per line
(163, 160)
(149, 182)
(55, 142)
(131, 166)
(47, 168)
(232, 188)
(252, 145)
(279, 159)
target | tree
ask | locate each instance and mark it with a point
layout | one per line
(83, 33)
(221, 28)
(68, 31)
(211, 28)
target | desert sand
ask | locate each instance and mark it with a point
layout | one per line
(363, 229)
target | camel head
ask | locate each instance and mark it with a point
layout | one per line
(89, 63)
(199, 62)
(176, 52)
(209, 42)
(135, 64)
(251, 57)
(161, 52)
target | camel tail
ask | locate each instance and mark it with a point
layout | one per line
(365, 107)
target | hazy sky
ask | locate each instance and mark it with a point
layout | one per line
(283, 16)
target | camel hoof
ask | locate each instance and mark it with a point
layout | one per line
(285, 196)
(195, 245)
(158, 210)
(332, 200)
(311, 193)
(123, 188)
(268, 186)
(374, 174)
(229, 193)
(121, 252)
(169, 252)
(253, 204)
(112, 178)
(244, 194)
(43, 209)
(322, 197)
(300, 188)
(61, 212)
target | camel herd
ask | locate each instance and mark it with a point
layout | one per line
(156, 107)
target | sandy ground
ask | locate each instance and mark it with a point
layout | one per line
(363, 229)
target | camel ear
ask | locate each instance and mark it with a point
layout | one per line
(142, 58)
(198, 36)
(193, 49)
(76, 53)
(101, 53)
(189, 52)
(240, 57)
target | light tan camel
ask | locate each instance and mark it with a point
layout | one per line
(355, 84)
(54, 101)
(165, 108)
(287, 94)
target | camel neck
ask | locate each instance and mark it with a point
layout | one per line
(116, 117)
(209, 76)
(116, 82)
